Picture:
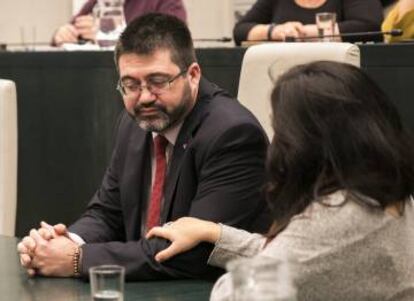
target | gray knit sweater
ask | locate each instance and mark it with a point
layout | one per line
(346, 251)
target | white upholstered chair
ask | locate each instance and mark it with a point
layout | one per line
(8, 157)
(255, 84)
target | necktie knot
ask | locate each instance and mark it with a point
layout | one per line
(160, 144)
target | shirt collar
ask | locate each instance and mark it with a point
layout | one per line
(170, 134)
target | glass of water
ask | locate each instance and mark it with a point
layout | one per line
(262, 278)
(325, 22)
(110, 20)
(107, 282)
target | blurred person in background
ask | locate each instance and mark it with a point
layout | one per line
(278, 19)
(401, 16)
(83, 27)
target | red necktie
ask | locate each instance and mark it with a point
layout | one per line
(154, 209)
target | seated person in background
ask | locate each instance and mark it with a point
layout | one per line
(83, 23)
(340, 185)
(400, 17)
(184, 147)
(278, 19)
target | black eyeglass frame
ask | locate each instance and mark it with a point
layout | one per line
(163, 86)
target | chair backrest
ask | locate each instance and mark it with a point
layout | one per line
(8, 157)
(255, 84)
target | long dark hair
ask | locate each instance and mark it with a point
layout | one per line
(334, 129)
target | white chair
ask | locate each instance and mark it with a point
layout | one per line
(255, 84)
(8, 157)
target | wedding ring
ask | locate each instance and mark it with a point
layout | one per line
(167, 224)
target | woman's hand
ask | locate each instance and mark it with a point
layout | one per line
(66, 34)
(289, 29)
(311, 30)
(185, 233)
(86, 27)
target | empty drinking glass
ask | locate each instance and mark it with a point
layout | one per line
(107, 282)
(325, 22)
(110, 21)
(262, 278)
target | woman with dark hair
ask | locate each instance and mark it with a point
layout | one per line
(340, 185)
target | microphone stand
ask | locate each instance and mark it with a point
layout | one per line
(223, 40)
(3, 46)
(394, 33)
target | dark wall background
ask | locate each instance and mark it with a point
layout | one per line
(67, 109)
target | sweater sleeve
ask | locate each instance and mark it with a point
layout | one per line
(174, 8)
(260, 13)
(233, 244)
(406, 23)
(86, 9)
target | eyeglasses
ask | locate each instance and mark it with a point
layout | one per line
(156, 86)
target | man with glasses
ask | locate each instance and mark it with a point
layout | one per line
(183, 148)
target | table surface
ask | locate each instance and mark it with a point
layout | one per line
(15, 285)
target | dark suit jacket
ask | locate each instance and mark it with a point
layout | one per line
(216, 173)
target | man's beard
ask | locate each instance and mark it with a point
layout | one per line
(163, 119)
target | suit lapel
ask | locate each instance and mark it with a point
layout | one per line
(138, 173)
(191, 123)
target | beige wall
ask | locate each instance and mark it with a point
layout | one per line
(76, 5)
(32, 20)
(241, 6)
(210, 19)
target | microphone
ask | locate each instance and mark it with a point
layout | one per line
(222, 40)
(393, 32)
(4, 46)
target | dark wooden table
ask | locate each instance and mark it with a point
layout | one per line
(15, 285)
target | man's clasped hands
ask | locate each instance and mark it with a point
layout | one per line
(48, 251)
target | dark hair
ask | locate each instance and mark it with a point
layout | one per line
(155, 31)
(335, 129)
